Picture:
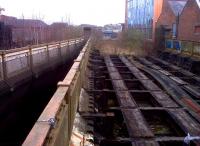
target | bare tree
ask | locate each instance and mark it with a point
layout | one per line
(1, 10)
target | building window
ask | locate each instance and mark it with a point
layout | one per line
(197, 29)
(174, 30)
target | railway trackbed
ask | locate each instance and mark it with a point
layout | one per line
(140, 101)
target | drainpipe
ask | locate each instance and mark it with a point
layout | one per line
(177, 25)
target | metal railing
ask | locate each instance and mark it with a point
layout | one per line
(54, 126)
(184, 46)
(17, 64)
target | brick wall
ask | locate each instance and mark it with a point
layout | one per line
(167, 17)
(189, 18)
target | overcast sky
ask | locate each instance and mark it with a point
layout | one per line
(97, 12)
(198, 1)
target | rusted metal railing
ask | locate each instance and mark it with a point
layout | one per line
(184, 46)
(21, 63)
(54, 126)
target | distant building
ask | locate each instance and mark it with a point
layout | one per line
(88, 25)
(25, 31)
(87, 32)
(114, 27)
(32, 31)
(57, 31)
(180, 20)
(169, 18)
(111, 31)
(164, 19)
(139, 15)
(5, 36)
(189, 22)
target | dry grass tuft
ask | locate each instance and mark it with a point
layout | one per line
(128, 43)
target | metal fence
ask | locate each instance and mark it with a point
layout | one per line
(21, 63)
(54, 126)
(184, 46)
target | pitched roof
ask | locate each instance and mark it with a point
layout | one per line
(30, 23)
(22, 22)
(58, 24)
(177, 6)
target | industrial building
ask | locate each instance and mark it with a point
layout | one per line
(140, 15)
(180, 19)
(111, 31)
(5, 36)
(31, 31)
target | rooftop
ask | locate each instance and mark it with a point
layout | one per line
(22, 22)
(177, 6)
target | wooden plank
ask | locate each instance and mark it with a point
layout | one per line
(168, 64)
(150, 85)
(178, 80)
(115, 75)
(162, 71)
(156, 67)
(95, 115)
(169, 138)
(107, 90)
(143, 60)
(132, 68)
(145, 143)
(124, 97)
(165, 72)
(164, 99)
(187, 73)
(119, 85)
(136, 124)
(140, 76)
(193, 90)
(147, 83)
(185, 121)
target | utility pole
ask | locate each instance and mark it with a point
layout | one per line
(126, 14)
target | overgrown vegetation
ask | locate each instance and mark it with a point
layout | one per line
(130, 42)
(132, 39)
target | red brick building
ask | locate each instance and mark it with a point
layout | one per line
(169, 17)
(25, 31)
(5, 36)
(180, 19)
(58, 31)
(33, 31)
(189, 22)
